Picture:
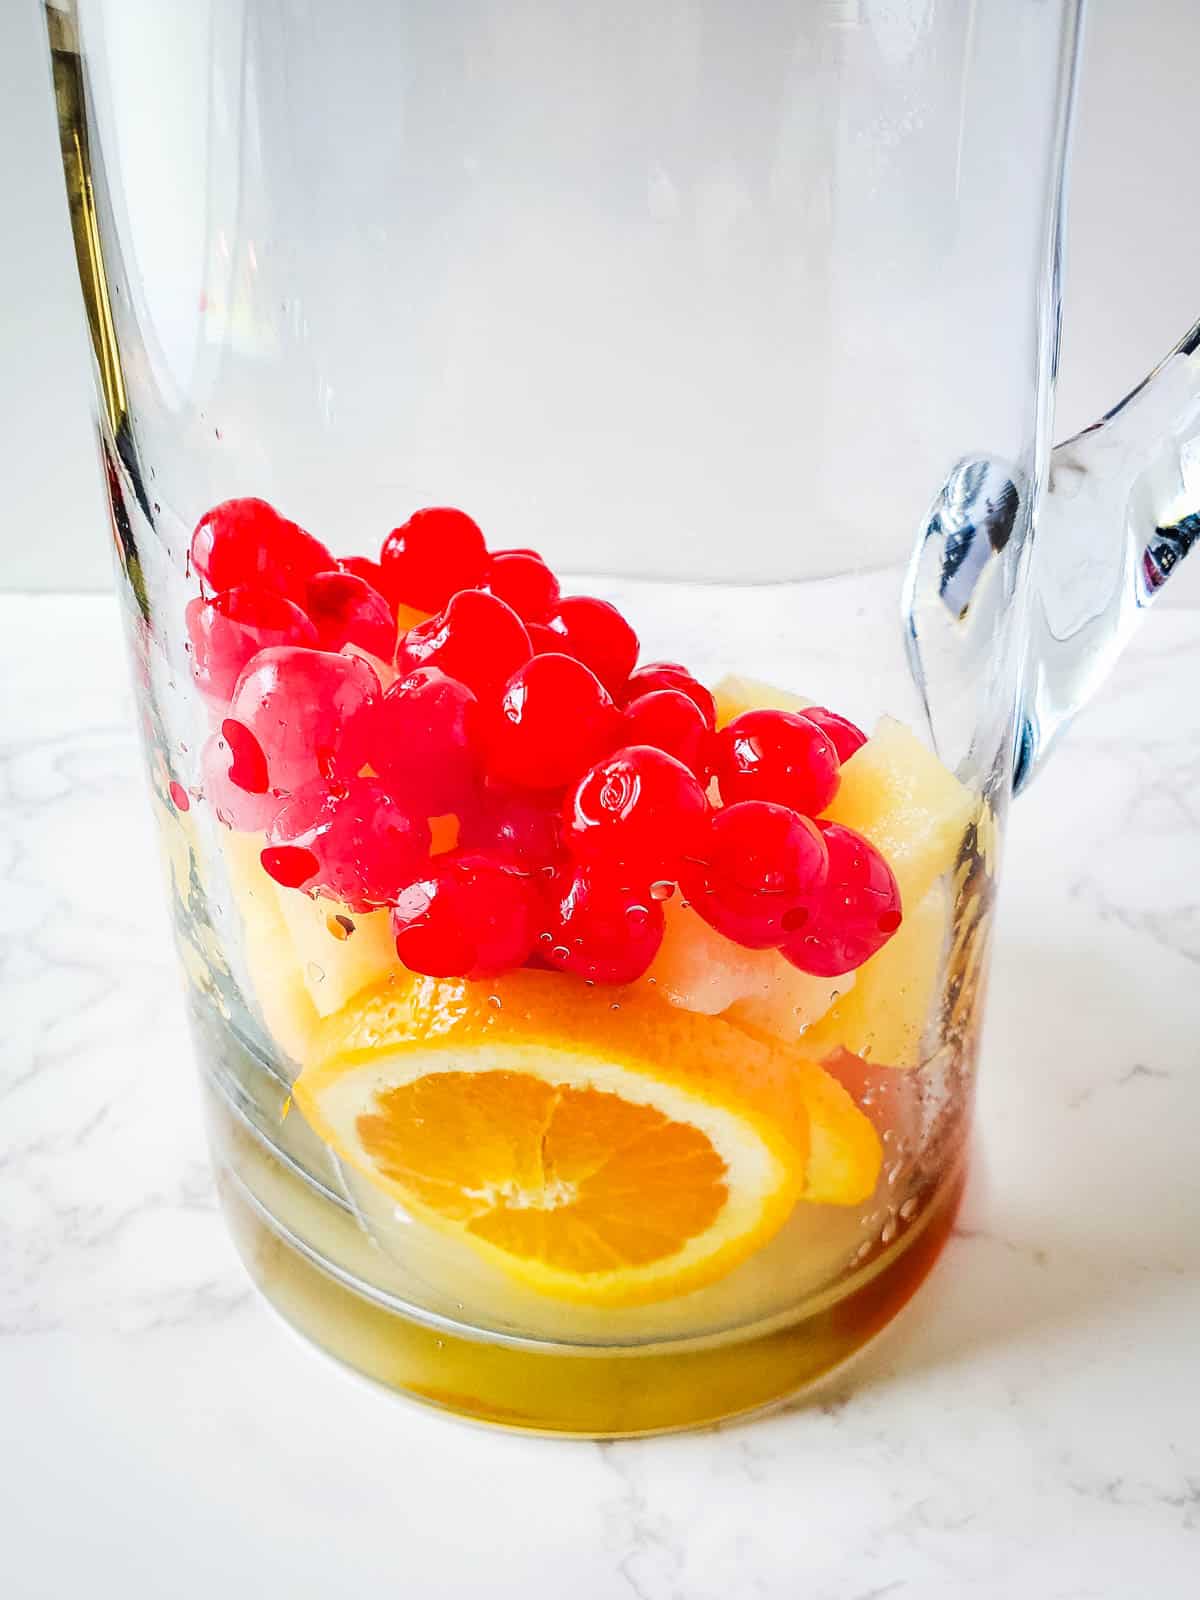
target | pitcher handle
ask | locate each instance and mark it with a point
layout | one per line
(1120, 512)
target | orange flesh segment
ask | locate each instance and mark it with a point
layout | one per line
(566, 1176)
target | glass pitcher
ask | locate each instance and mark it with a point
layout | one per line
(574, 474)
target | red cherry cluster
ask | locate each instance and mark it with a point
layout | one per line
(580, 781)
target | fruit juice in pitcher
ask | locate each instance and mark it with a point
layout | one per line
(580, 1004)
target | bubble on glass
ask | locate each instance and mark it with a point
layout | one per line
(662, 890)
(495, 1002)
(315, 973)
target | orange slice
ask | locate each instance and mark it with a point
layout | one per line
(596, 1145)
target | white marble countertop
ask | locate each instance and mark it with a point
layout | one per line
(1030, 1427)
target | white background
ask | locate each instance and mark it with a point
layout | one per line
(1131, 284)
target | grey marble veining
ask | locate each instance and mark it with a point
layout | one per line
(1031, 1426)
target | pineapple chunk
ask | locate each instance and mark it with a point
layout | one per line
(276, 977)
(699, 969)
(785, 1003)
(336, 963)
(759, 992)
(300, 969)
(735, 695)
(908, 805)
(884, 1016)
(177, 838)
(899, 795)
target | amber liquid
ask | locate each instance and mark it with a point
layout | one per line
(302, 1249)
